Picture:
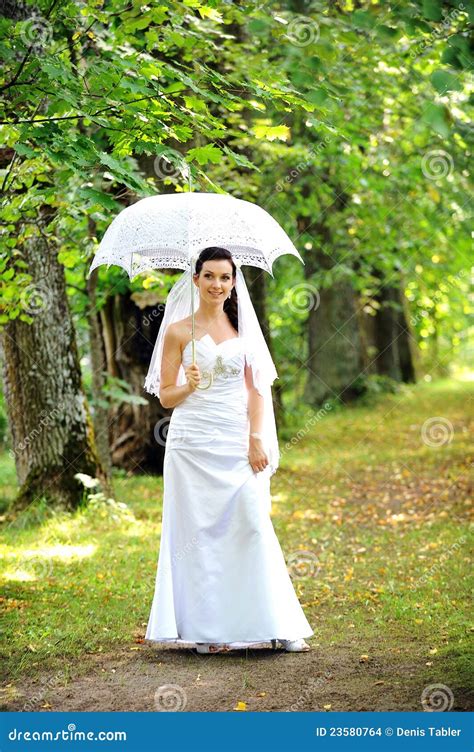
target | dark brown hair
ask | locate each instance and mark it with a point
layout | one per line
(231, 305)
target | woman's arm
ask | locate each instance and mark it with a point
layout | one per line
(257, 457)
(170, 394)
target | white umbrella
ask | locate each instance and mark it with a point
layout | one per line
(169, 231)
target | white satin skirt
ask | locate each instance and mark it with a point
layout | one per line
(221, 574)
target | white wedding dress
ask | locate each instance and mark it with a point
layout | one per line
(221, 574)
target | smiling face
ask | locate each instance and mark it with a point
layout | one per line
(215, 280)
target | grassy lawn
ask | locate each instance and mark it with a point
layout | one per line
(371, 506)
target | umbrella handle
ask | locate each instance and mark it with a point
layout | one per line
(209, 383)
(210, 374)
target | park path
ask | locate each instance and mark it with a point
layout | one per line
(147, 678)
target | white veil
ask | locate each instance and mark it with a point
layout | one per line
(178, 307)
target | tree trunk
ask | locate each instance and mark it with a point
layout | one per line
(387, 360)
(98, 368)
(335, 353)
(394, 356)
(367, 337)
(130, 324)
(405, 342)
(334, 347)
(49, 421)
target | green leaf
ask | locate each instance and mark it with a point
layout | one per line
(124, 173)
(24, 150)
(271, 132)
(432, 9)
(205, 154)
(318, 96)
(388, 32)
(69, 259)
(206, 12)
(444, 81)
(98, 197)
(363, 19)
(137, 24)
(437, 116)
(240, 159)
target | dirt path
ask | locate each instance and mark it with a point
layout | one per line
(139, 680)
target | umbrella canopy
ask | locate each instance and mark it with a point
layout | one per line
(169, 230)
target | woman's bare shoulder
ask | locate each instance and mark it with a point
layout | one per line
(178, 330)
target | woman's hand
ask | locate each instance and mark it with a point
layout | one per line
(257, 457)
(193, 375)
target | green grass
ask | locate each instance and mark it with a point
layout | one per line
(378, 516)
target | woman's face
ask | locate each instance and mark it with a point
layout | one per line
(215, 280)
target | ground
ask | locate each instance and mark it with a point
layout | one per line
(321, 680)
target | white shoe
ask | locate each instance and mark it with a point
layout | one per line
(293, 646)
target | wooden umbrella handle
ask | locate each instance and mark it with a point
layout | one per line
(210, 374)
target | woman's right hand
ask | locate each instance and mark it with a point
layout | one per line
(193, 375)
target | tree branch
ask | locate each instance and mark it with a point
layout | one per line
(27, 54)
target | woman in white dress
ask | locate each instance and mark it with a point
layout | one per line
(221, 580)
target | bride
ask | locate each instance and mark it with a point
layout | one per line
(221, 580)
